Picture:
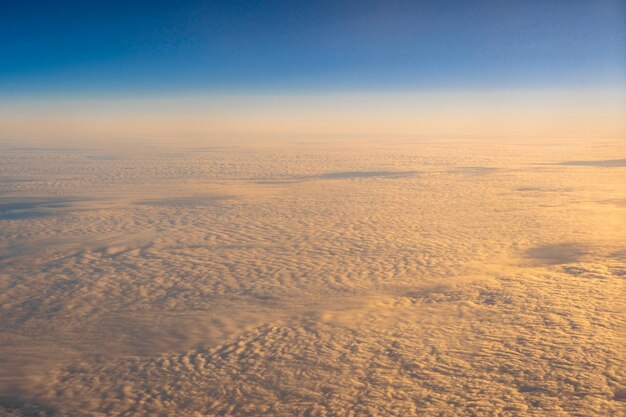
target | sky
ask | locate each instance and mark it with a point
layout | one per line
(115, 52)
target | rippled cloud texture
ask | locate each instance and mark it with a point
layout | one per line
(383, 278)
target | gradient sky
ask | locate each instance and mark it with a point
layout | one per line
(55, 51)
(63, 46)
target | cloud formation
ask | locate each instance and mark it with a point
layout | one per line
(397, 278)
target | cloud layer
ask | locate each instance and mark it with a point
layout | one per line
(393, 278)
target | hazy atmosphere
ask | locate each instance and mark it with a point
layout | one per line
(313, 209)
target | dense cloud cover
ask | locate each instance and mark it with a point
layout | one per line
(390, 278)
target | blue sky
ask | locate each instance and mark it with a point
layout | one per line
(115, 47)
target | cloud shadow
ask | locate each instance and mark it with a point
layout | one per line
(342, 175)
(185, 201)
(607, 163)
(33, 208)
(556, 254)
(14, 404)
